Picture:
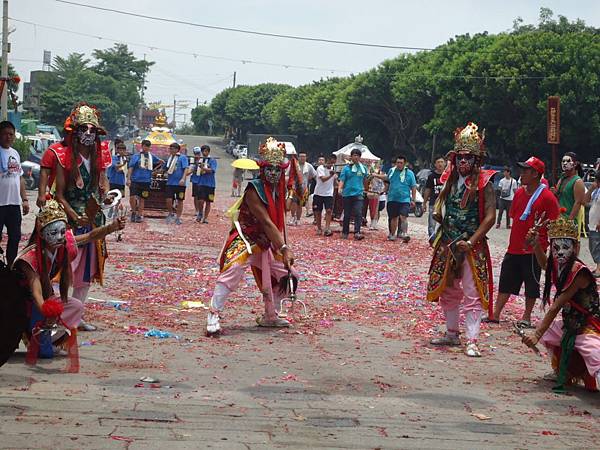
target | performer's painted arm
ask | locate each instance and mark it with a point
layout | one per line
(34, 283)
(42, 186)
(60, 197)
(581, 281)
(101, 232)
(579, 195)
(260, 212)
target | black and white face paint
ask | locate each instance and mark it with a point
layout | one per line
(567, 163)
(86, 136)
(272, 174)
(562, 250)
(54, 234)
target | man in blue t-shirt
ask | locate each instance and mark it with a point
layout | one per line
(176, 171)
(352, 181)
(203, 182)
(401, 197)
(139, 176)
(117, 171)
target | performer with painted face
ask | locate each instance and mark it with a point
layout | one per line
(81, 184)
(570, 189)
(48, 256)
(573, 340)
(461, 269)
(257, 240)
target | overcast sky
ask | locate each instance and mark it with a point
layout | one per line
(401, 23)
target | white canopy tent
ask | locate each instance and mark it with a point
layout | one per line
(343, 154)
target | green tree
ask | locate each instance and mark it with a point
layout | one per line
(113, 84)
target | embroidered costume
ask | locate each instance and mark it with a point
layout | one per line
(248, 244)
(460, 209)
(50, 264)
(573, 340)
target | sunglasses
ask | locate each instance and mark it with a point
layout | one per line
(465, 158)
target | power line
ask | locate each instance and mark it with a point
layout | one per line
(243, 31)
(248, 61)
(180, 52)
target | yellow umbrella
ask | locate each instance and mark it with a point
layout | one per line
(245, 163)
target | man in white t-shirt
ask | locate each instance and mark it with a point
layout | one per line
(507, 188)
(12, 191)
(323, 196)
(308, 174)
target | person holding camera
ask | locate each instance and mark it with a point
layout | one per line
(507, 187)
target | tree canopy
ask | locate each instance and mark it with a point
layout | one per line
(411, 104)
(112, 82)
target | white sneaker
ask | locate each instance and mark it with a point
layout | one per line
(212, 324)
(472, 350)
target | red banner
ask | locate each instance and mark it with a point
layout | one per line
(553, 120)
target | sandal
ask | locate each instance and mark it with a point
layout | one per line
(327, 232)
(276, 323)
(490, 320)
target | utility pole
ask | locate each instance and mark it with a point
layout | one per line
(196, 102)
(234, 74)
(142, 98)
(174, 113)
(4, 69)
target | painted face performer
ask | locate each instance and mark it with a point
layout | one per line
(461, 270)
(80, 187)
(256, 240)
(48, 255)
(573, 340)
(60, 153)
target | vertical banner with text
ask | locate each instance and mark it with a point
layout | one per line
(553, 132)
(554, 120)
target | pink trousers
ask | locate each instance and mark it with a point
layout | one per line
(464, 292)
(587, 345)
(81, 276)
(229, 279)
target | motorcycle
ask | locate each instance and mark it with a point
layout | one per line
(418, 209)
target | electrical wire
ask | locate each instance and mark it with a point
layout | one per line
(180, 52)
(241, 30)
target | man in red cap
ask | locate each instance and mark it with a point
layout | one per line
(533, 202)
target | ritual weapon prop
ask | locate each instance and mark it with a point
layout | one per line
(291, 284)
(521, 334)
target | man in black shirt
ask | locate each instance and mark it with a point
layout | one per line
(433, 187)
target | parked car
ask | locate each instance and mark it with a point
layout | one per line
(31, 174)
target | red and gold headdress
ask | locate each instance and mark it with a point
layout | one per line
(84, 113)
(51, 212)
(563, 228)
(469, 139)
(272, 153)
